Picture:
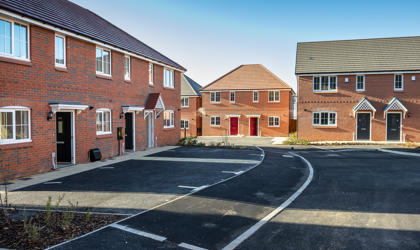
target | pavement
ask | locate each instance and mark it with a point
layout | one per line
(261, 141)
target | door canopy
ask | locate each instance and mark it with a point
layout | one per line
(154, 104)
(395, 105)
(364, 105)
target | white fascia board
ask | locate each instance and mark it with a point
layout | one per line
(361, 73)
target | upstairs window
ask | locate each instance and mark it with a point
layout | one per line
(324, 118)
(255, 96)
(103, 61)
(215, 97)
(14, 125)
(274, 96)
(14, 39)
(168, 119)
(168, 78)
(232, 97)
(185, 102)
(103, 121)
(185, 124)
(274, 121)
(324, 83)
(360, 83)
(151, 73)
(398, 82)
(127, 68)
(215, 121)
(60, 51)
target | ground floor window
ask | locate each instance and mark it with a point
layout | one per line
(103, 121)
(185, 124)
(168, 119)
(324, 118)
(274, 121)
(14, 125)
(215, 121)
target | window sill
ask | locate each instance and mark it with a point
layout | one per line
(274, 102)
(168, 128)
(215, 126)
(360, 90)
(16, 145)
(170, 88)
(102, 136)
(127, 80)
(183, 129)
(106, 77)
(274, 126)
(214, 102)
(16, 61)
(398, 90)
(325, 92)
(185, 107)
(61, 69)
(331, 126)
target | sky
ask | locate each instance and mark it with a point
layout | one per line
(210, 38)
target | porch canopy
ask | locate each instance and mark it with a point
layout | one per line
(395, 105)
(233, 115)
(131, 108)
(364, 105)
(57, 106)
(253, 115)
(154, 104)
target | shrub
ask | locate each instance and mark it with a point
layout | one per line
(294, 140)
(190, 141)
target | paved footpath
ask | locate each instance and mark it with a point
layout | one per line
(211, 218)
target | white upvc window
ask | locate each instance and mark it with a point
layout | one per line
(232, 97)
(360, 83)
(127, 68)
(60, 50)
(215, 97)
(398, 82)
(274, 121)
(215, 121)
(324, 118)
(103, 61)
(185, 102)
(15, 125)
(324, 83)
(185, 124)
(255, 96)
(168, 78)
(151, 73)
(14, 39)
(274, 96)
(168, 119)
(103, 121)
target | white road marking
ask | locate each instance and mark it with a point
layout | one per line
(189, 187)
(399, 152)
(241, 238)
(232, 172)
(199, 188)
(192, 247)
(204, 160)
(194, 189)
(52, 182)
(138, 232)
(288, 156)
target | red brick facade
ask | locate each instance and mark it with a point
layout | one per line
(32, 84)
(193, 116)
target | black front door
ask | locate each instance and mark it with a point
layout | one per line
(129, 131)
(63, 127)
(393, 124)
(363, 126)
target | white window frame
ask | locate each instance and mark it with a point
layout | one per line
(12, 55)
(320, 84)
(151, 73)
(64, 50)
(13, 109)
(402, 82)
(329, 115)
(213, 121)
(183, 102)
(183, 124)
(273, 91)
(364, 83)
(103, 132)
(127, 75)
(253, 96)
(168, 78)
(214, 94)
(274, 118)
(171, 119)
(103, 62)
(230, 97)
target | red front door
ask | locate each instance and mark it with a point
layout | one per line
(253, 130)
(234, 126)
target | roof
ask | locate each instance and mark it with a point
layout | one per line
(364, 55)
(189, 87)
(152, 100)
(72, 17)
(248, 77)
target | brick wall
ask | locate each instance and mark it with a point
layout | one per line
(193, 116)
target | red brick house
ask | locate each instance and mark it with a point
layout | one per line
(190, 107)
(248, 101)
(359, 90)
(70, 80)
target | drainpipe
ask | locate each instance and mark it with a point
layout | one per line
(54, 166)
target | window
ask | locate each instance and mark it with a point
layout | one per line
(324, 118)
(151, 73)
(215, 121)
(14, 125)
(127, 67)
(398, 82)
(168, 119)
(324, 83)
(273, 96)
(232, 96)
(168, 78)
(360, 83)
(215, 97)
(103, 121)
(255, 97)
(60, 51)
(185, 102)
(274, 121)
(185, 124)
(14, 39)
(103, 61)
